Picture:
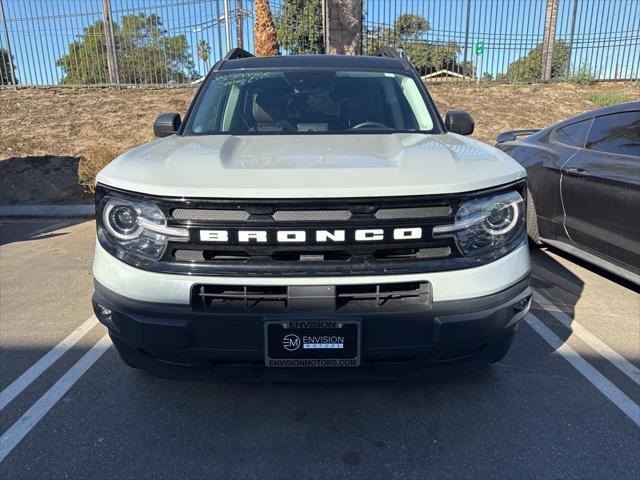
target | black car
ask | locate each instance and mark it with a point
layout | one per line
(584, 185)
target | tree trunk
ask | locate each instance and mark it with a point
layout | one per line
(549, 39)
(343, 28)
(239, 25)
(264, 33)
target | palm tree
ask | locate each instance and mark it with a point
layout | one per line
(204, 50)
(265, 38)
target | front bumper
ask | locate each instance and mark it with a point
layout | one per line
(178, 341)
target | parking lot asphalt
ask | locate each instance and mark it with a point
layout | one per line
(564, 403)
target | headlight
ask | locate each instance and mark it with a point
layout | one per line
(136, 227)
(484, 224)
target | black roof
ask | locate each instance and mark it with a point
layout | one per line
(315, 61)
(621, 107)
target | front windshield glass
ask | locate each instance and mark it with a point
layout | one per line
(305, 101)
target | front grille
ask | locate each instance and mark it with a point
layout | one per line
(381, 295)
(208, 215)
(213, 296)
(312, 237)
(311, 215)
(416, 212)
(359, 297)
(315, 237)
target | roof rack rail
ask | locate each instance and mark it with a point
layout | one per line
(387, 52)
(236, 53)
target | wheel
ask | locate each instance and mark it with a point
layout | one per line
(532, 222)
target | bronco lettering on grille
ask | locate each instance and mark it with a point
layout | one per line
(318, 236)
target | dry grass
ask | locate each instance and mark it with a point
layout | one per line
(92, 160)
(497, 108)
(67, 121)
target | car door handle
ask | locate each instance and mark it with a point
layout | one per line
(578, 172)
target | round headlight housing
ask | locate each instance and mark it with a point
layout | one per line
(135, 228)
(486, 223)
(121, 221)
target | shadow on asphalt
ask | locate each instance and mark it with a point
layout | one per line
(595, 269)
(556, 283)
(38, 180)
(34, 229)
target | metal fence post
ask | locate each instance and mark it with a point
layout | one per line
(571, 34)
(112, 62)
(466, 39)
(12, 76)
(549, 39)
(227, 24)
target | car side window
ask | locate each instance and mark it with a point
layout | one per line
(618, 133)
(574, 134)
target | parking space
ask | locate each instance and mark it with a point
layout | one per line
(563, 403)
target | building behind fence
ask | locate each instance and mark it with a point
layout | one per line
(101, 42)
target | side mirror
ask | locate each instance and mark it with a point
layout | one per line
(166, 124)
(459, 121)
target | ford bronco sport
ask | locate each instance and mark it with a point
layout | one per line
(311, 211)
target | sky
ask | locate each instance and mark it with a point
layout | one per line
(606, 33)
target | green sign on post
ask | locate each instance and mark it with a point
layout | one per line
(479, 47)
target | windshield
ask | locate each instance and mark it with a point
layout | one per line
(304, 101)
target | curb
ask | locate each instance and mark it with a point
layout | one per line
(51, 211)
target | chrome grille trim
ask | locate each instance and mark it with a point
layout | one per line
(209, 215)
(413, 212)
(311, 215)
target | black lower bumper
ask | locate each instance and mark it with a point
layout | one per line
(178, 341)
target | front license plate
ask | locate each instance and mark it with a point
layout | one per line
(312, 343)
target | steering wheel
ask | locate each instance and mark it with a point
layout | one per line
(369, 124)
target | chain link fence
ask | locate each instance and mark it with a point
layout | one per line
(169, 42)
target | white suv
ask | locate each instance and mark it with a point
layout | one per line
(311, 211)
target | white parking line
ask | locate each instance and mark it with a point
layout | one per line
(608, 389)
(24, 380)
(589, 338)
(38, 410)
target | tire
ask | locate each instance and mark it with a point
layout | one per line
(532, 222)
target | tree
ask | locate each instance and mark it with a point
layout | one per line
(7, 68)
(265, 37)
(343, 27)
(204, 51)
(529, 67)
(299, 26)
(145, 53)
(407, 35)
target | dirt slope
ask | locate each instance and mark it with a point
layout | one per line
(44, 130)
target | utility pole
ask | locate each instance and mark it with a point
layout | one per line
(549, 39)
(239, 26)
(12, 75)
(112, 62)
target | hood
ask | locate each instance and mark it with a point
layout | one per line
(310, 166)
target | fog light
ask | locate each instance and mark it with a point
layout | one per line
(104, 313)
